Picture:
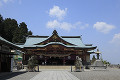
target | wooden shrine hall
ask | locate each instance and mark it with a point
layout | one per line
(6, 55)
(56, 50)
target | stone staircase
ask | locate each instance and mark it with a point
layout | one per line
(54, 67)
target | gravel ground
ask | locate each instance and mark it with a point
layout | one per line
(109, 74)
(18, 76)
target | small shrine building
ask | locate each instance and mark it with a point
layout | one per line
(7, 50)
(56, 50)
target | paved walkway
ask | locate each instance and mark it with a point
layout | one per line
(17, 75)
(54, 75)
(109, 74)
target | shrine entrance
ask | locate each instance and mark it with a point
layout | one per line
(55, 61)
(55, 54)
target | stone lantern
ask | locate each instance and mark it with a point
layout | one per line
(98, 53)
(98, 64)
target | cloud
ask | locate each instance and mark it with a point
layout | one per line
(1, 4)
(59, 23)
(57, 12)
(116, 39)
(53, 24)
(6, 1)
(20, 1)
(81, 25)
(65, 25)
(103, 27)
(62, 25)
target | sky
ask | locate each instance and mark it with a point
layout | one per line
(97, 21)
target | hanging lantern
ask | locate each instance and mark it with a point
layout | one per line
(41, 56)
(69, 57)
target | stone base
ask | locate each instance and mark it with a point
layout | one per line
(78, 70)
(98, 68)
(98, 65)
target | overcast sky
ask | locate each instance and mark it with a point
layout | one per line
(98, 21)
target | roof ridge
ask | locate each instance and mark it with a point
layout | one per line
(37, 36)
(71, 36)
(49, 36)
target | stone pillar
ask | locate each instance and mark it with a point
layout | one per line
(98, 56)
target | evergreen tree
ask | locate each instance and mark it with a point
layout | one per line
(23, 32)
(10, 30)
(10, 26)
(16, 36)
(1, 26)
(29, 32)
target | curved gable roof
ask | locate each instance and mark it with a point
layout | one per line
(36, 41)
(54, 38)
(8, 43)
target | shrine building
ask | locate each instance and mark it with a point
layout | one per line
(56, 50)
(7, 50)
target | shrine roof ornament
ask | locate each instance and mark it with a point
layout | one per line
(54, 32)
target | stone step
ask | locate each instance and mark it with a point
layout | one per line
(46, 67)
(55, 67)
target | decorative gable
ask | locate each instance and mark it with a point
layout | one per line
(54, 38)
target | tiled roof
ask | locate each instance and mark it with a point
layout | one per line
(34, 41)
(30, 41)
(7, 42)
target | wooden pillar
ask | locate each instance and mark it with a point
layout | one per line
(63, 60)
(84, 55)
(23, 56)
(45, 60)
(88, 58)
(0, 62)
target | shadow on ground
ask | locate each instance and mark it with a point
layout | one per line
(8, 75)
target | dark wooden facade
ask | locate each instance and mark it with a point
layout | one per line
(6, 54)
(55, 50)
